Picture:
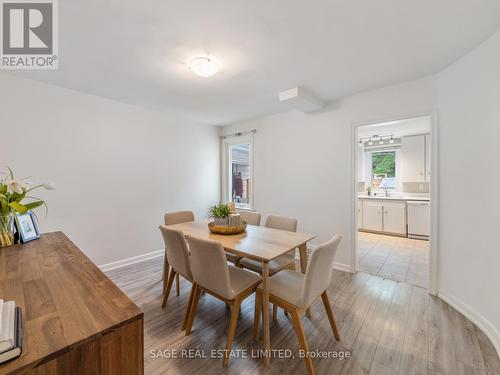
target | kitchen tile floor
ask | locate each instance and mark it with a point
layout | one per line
(394, 258)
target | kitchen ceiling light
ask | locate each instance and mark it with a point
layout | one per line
(391, 141)
(381, 142)
(370, 143)
(204, 67)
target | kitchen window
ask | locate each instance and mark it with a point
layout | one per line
(384, 170)
(238, 171)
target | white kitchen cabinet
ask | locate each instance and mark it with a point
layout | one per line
(359, 210)
(394, 217)
(428, 158)
(372, 215)
(413, 155)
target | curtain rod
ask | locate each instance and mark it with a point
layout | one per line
(239, 134)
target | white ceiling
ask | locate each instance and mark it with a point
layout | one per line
(135, 51)
(400, 128)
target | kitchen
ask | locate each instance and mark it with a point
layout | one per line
(393, 201)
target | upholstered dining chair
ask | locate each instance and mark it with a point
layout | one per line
(283, 261)
(212, 275)
(295, 292)
(179, 260)
(252, 218)
(172, 218)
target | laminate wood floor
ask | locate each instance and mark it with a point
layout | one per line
(395, 258)
(388, 327)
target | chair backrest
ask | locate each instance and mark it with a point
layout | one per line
(281, 222)
(252, 218)
(177, 251)
(319, 271)
(178, 217)
(209, 265)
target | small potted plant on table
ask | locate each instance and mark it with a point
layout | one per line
(220, 214)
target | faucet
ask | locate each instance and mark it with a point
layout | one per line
(387, 193)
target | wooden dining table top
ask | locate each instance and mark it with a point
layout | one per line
(257, 243)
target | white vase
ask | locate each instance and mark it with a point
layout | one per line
(221, 221)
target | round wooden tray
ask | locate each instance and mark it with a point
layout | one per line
(226, 229)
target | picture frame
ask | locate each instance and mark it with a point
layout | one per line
(27, 227)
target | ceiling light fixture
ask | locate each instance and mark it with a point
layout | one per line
(391, 141)
(381, 142)
(370, 143)
(204, 67)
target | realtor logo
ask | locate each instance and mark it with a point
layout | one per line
(29, 34)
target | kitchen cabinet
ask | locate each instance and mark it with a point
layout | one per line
(427, 158)
(413, 158)
(359, 210)
(383, 216)
(394, 217)
(372, 215)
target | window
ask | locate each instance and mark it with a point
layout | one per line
(239, 171)
(384, 170)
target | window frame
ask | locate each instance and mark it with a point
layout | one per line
(226, 166)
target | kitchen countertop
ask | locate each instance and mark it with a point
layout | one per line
(395, 198)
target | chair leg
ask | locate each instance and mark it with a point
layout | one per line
(275, 312)
(230, 331)
(256, 315)
(177, 285)
(169, 286)
(164, 276)
(188, 309)
(329, 312)
(192, 312)
(302, 341)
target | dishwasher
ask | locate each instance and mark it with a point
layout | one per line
(419, 217)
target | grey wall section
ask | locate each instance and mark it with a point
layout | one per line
(118, 167)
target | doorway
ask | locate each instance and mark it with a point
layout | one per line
(395, 200)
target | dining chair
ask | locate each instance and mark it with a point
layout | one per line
(213, 275)
(252, 218)
(282, 262)
(172, 218)
(179, 260)
(295, 292)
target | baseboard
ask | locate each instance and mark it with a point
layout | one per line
(133, 260)
(337, 266)
(480, 321)
(342, 267)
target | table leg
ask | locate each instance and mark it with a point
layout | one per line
(265, 317)
(303, 267)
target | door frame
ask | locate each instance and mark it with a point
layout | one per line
(434, 193)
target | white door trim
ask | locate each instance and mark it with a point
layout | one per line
(434, 194)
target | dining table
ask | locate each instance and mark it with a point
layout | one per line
(260, 244)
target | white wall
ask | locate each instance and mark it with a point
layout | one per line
(469, 258)
(303, 161)
(303, 165)
(118, 168)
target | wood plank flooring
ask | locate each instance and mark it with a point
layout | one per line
(389, 327)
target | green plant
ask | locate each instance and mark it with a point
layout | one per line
(220, 210)
(14, 198)
(369, 189)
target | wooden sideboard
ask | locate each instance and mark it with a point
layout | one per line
(75, 319)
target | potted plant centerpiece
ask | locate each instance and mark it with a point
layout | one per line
(15, 199)
(220, 214)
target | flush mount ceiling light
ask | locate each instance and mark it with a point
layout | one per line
(203, 67)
